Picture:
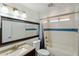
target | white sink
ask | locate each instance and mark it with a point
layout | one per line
(18, 52)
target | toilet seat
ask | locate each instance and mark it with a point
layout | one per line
(43, 52)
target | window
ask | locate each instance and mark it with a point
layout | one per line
(53, 20)
(64, 18)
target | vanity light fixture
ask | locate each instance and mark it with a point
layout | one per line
(4, 9)
(59, 20)
(23, 15)
(15, 12)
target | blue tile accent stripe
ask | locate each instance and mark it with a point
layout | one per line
(30, 29)
(62, 29)
(57, 29)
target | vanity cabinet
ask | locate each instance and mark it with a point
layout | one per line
(31, 53)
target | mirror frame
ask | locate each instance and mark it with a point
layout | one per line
(17, 20)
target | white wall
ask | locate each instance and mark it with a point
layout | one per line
(77, 24)
(63, 42)
(31, 15)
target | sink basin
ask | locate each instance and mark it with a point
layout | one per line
(18, 52)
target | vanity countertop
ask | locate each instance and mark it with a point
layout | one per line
(20, 51)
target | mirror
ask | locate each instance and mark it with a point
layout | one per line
(13, 29)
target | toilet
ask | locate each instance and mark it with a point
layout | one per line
(40, 52)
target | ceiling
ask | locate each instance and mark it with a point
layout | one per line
(38, 7)
(63, 8)
(56, 9)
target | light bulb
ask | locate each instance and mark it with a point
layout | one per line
(23, 15)
(4, 9)
(16, 13)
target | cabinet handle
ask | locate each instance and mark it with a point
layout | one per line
(46, 44)
(46, 40)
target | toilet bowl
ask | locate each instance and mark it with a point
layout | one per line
(40, 52)
(43, 52)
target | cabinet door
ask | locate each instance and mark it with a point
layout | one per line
(6, 31)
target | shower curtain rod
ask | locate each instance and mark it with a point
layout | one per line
(60, 15)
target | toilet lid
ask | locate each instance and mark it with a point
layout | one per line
(43, 52)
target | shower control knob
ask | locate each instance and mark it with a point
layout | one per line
(46, 40)
(46, 37)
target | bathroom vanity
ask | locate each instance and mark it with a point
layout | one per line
(31, 53)
(17, 50)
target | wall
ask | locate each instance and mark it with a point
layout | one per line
(77, 24)
(63, 43)
(31, 16)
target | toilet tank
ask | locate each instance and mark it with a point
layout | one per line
(36, 44)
